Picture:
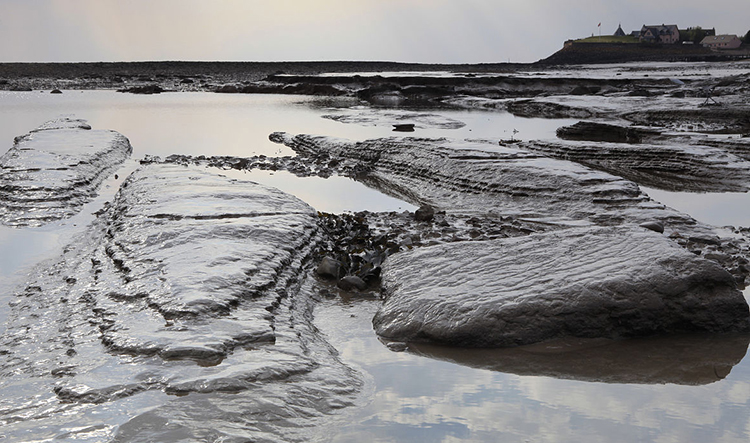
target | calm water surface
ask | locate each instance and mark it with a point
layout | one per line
(701, 393)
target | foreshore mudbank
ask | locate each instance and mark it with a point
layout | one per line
(186, 309)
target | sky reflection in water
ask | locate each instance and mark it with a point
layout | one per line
(424, 399)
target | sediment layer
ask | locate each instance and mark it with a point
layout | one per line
(51, 172)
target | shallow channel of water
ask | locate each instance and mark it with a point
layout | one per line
(418, 395)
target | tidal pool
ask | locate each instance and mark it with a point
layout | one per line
(697, 390)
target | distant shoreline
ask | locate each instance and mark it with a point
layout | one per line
(587, 52)
(577, 53)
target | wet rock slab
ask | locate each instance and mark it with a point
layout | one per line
(51, 172)
(472, 176)
(581, 282)
(418, 120)
(189, 293)
(672, 164)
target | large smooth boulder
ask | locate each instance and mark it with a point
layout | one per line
(580, 282)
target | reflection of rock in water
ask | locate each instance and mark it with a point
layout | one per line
(601, 282)
(370, 117)
(51, 172)
(188, 284)
(683, 360)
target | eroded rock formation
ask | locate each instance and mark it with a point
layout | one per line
(51, 172)
(199, 281)
(583, 282)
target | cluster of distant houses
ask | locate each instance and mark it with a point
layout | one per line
(671, 34)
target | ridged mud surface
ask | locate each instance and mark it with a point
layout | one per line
(672, 166)
(185, 313)
(480, 177)
(51, 172)
(637, 282)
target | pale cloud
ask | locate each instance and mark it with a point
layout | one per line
(449, 31)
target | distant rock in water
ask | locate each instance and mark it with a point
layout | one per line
(148, 89)
(591, 131)
(52, 171)
(404, 127)
(578, 282)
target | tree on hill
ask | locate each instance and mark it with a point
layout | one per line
(695, 35)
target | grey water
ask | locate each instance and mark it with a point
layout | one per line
(436, 395)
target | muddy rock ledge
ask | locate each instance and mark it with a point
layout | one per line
(583, 282)
(203, 281)
(52, 171)
(593, 271)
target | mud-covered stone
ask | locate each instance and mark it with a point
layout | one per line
(602, 132)
(672, 165)
(52, 171)
(581, 282)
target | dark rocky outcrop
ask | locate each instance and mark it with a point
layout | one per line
(145, 90)
(601, 132)
(541, 109)
(669, 164)
(51, 172)
(589, 282)
(476, 177)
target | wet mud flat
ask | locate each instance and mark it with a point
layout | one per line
(187, 310)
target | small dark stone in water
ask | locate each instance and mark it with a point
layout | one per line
(55, 91)
(63, 371)
(424, 213)
(640, 93)
(351, 282)
(654, 226)
(148, 89)
(404, 127)
(397, 346)
(329, 268)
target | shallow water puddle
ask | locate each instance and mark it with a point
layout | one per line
(717, 209)
(335, 194)
(443, 394)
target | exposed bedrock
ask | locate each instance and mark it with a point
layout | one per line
(480, 177)
(601, 132)
(731, 119)
(52, 171)
(393, 118)
(416, 89)
(489, 181)
(673, 165)
(579, 282)
(202, 281)
(541, 109)
(679, 359)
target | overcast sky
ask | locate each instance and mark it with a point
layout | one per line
(430, 31)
